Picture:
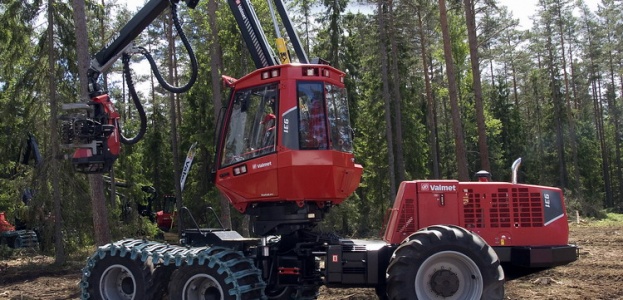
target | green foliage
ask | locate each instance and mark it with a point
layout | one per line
(585, 206)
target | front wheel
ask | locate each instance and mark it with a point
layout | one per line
(445, 262)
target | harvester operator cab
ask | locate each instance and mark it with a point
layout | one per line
(280, 152)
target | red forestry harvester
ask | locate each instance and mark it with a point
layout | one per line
(160, 210)
(16, 238)
(285, 157)
(22, 238)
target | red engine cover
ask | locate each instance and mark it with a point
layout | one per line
(504, 214)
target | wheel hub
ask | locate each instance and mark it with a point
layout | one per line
(445, 283)
(117, 283)
(127, 286)
(204, 287)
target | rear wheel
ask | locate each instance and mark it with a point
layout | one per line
(219, 274)
(445, 262)
(119, 278)
(198, 282)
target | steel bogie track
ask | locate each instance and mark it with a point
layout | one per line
(243, 278)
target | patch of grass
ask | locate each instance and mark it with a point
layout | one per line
(611, 219)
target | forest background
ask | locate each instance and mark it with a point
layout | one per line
(436, 90)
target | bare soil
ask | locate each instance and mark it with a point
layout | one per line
(598, 274)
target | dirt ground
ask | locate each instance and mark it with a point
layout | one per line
(598, 274)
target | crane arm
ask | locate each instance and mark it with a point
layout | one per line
(252, 33)
(111, 52)
(294, 38)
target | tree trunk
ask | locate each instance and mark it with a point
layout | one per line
(618, 138)
(215, 67)
(605, 153)
(598, 118)
(430, 115)
(558, 114)
(514, 70)
(397, 97)
(613, 108)
(483, 149)
(457, 127)
(173, 119)
(577, 186)
(59, 247)
(386, 100)
(96, 182)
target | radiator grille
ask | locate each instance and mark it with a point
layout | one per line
(472, 210)
(406, 223)
(527, 208)
(500, 210)
(504, 208)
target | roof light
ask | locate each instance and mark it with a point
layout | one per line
(274, 73)
(326, 73)
(265, 75)
(310, 72)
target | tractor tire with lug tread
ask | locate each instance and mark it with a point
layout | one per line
(445, 262)
(120, 278)
(221, 274)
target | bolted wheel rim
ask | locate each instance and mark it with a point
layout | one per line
(117, 283)
(204, 287)
(448, 275)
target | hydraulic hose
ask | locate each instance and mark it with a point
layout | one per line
(173, 89)
(193, 60)
(137, 103)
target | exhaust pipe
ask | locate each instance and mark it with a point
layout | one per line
(514, 168)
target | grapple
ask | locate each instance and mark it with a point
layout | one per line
(92, 130)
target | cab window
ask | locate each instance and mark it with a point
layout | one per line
(251, 129)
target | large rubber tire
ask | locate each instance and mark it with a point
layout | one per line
(445, 262)
(120, 278)
(223, 275)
